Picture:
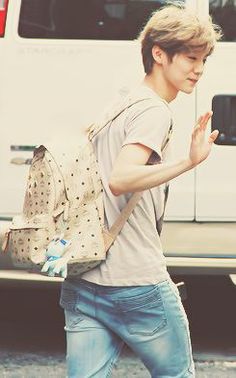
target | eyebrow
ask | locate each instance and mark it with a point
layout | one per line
(196, 52)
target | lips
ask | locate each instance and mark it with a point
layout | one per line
(194, 81)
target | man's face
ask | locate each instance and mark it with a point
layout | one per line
(184, 70)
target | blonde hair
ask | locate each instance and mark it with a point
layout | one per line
(176, 29)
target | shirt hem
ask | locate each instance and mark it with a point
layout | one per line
(149, 280)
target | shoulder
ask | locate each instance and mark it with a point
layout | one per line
(148, 114)
(145, 103)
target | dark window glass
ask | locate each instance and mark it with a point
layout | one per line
(85, 19)
(223, 13)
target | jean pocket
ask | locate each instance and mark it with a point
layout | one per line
(143, 314)
(73, 320)
(175, 290)
(68, 298)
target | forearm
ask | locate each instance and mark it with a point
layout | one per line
(135, 178)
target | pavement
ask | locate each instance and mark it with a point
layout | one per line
(15, 364)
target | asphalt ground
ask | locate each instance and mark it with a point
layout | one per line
(40, 365)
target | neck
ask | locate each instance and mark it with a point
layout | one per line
(158, 83)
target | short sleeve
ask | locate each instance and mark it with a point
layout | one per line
(148, 126)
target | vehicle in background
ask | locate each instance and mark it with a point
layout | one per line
(62, 62)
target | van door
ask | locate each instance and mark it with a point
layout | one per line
(216, 178)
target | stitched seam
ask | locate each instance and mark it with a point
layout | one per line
(186, 327)
(113, 361)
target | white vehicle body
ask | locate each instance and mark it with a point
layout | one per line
(53, 86)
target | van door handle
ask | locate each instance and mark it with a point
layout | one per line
(20, 161)
(22, 147)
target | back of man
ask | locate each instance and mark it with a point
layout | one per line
(136, 256)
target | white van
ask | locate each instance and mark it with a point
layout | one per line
(62, 61)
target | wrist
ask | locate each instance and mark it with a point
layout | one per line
(188, 164)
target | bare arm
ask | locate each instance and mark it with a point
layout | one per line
(130, 174)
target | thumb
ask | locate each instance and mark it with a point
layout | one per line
(213, 136)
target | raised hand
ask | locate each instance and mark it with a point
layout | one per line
(200, 146)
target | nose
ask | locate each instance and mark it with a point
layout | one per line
(198, 68)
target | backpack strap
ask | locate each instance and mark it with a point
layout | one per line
(108, 117)
(111, 234)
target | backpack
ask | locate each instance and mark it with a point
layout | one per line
(64, 196)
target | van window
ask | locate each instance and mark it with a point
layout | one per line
(223, 13)
(85, 19)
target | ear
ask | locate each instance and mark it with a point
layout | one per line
(157, 54)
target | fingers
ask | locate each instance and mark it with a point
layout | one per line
(199, 120)
(203, 120)
(213, 136)
(202, 123)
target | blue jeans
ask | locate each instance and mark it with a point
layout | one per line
(149, 319)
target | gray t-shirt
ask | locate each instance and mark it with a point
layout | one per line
(136, 257)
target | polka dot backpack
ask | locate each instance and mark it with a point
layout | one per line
(64, 195)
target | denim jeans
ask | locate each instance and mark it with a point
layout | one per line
(149, 319)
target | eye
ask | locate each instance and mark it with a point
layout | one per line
(192, 57)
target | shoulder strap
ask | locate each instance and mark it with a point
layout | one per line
(108, 117)
(127, 210)
(123, 217)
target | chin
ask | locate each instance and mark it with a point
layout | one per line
(187, 90)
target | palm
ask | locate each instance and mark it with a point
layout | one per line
(200, 146)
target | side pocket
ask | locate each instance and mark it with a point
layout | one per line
(174, 289)
(28, 242)
(68, 298)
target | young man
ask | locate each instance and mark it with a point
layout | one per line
(130, 297)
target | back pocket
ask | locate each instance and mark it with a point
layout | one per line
(143, 314)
